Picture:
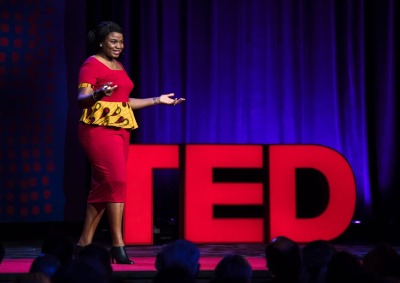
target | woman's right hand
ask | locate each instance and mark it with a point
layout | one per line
(107, 89)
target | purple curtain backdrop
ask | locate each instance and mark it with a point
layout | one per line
(272, 72)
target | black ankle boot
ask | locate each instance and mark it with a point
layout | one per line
(119, 255)
(77, 250)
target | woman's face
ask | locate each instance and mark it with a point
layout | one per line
(113, 45)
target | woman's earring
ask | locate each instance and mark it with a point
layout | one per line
(101, 45)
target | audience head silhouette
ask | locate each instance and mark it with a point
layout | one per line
(181, 253)
(315, 256)
(232, 268)
(343, 267)
(283, 259)
(383, 261)
(2, 251)
(60, 246)
(100, 254)
(47, 264)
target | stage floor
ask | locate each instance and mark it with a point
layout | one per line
(20, 254)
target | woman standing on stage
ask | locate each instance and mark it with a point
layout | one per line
(104, 130)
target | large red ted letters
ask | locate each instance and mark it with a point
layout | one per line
(201, 193)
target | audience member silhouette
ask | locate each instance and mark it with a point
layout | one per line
(60, 246)
(2, 251)
(37, 277)
(181, 253)
(100, 254)
(232, 268)
(283, 260)
(383, 261)
(47, 264)
(178, 262)
(174, 274)
(343, 267)
(315, 256)
(81, 270)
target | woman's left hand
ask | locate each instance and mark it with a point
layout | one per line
(167, 99)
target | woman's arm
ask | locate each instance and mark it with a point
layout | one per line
(87, 97)
(137, 103)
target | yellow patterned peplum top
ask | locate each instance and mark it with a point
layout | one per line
(111, 114)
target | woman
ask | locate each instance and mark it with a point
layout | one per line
(107, 119)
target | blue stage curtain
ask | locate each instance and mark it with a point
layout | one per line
(273, 72)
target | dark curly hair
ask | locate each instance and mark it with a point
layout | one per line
(100, 32)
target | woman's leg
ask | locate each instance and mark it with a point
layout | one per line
(94, 212)
(115, 212)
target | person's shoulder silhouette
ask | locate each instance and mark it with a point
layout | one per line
(36, 277)
(174, 274)
(81, 270)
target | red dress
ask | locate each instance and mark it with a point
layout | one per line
(106, 146)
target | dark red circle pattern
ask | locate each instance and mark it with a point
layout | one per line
(27, 137)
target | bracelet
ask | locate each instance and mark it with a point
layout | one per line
(155, 101)
(95, 97)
